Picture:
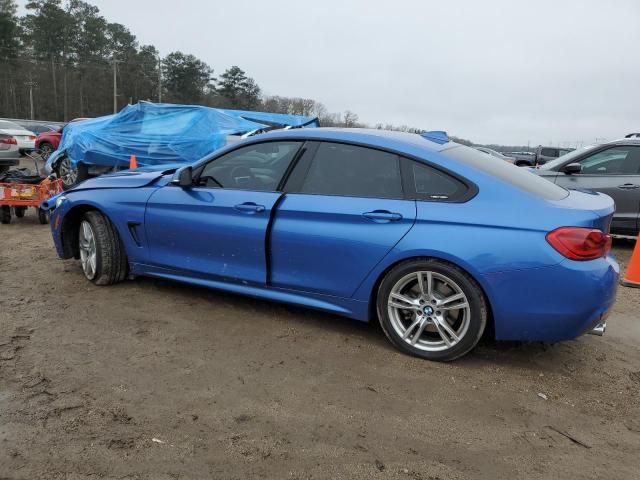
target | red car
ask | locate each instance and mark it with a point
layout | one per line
(48, 142)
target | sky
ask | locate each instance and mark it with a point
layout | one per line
(492, 71)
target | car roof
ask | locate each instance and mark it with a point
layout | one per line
(395, 140)
(623, 141)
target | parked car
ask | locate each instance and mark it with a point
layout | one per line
(612, 168)
(409, 230)
(546, 154)
(41, 128)
(523, 159)
(37, 126)
(496, 154)
(9, 153)
(25, 138)
(49, 140)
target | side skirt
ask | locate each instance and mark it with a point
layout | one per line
(347, 307)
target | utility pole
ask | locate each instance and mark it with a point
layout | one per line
(115, 86)
(159, 79)
(31, 84)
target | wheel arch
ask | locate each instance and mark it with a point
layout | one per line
(373, 294)
(70, 226)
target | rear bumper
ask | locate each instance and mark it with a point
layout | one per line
(26, 144)
(555, 303)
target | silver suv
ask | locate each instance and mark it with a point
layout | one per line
(612, 168)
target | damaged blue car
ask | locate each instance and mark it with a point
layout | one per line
(418, 233)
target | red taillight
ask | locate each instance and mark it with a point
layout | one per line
(9, 141)
(32, 137)
(580, 243)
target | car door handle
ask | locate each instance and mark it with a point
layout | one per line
(382, 216)
(250, 207)
(628, 186)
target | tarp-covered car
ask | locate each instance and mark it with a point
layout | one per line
(157, 134)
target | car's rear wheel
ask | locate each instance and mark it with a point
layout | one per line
(431, 309)
(102, 254)
(71, 174)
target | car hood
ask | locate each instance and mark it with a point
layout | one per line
(128, 178)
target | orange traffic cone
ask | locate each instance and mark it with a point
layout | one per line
(632, 276)
(133, 162)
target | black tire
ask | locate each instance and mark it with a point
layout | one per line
(5, 214)
(111, 259)
(4, 168)
(80, 173)
(43, 218)
(19, 211)
(473, 315)
(46, 149)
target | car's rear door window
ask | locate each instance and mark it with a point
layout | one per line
(353, 171)
(549, 152)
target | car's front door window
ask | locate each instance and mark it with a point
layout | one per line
(613, 161)
(258, 167)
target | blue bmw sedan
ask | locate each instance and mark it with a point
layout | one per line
(434, 240)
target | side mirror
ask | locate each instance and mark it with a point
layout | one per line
(184, 178)
(572, 168)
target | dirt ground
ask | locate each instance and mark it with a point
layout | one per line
(155, 380)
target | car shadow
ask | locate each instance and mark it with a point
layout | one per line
(523, 355)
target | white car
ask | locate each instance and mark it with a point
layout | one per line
(25, 138)
(9, 153)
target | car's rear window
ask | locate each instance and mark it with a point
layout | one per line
(519, 177)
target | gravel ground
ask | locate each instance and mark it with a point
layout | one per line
(152, 380)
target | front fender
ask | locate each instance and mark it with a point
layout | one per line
(53, 159)
(125, 208)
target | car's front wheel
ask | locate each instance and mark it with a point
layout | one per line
(46, 150)
(431, 309)
(102, 255)
(70, 173)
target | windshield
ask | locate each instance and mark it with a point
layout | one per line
(568, 156)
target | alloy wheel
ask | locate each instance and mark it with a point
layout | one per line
(46, 150)
(88, 250)
(429, 311)
(67, 172)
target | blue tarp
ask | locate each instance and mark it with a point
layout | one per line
(278, 120)
(155, 133)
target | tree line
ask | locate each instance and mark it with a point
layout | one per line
(63, 59)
